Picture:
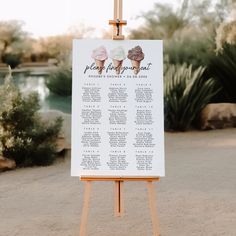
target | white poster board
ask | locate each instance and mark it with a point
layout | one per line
(117, 108)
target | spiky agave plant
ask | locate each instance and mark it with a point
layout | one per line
(223, 68)
(186, 93)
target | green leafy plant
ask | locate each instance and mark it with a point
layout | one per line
(195, 51)
(223, 68)
(24, 137)
(59, 81)
(13, 60)
(186, 94)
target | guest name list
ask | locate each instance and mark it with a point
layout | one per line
(117, 108)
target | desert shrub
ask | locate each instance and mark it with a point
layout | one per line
(226, 33)
(59, 81)
(13, 60)
(184, 48)
(24, 137)
(194, 52)
(223, 68)
(186, 93)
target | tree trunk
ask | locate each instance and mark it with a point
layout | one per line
(3, 51)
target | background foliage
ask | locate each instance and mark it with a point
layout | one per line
(186, 94)
(195, 34)
(59, 81)
(24, 137)
(223, 68)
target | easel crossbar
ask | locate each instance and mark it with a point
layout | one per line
(117, 178)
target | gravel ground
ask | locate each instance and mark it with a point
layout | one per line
(196, 198)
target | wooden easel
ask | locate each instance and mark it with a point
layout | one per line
(117, 23)
(119, 204)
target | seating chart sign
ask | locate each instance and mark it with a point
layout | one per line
(117, 108)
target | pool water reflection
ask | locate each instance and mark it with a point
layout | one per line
(48, 100)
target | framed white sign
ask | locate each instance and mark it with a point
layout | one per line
(117, 108)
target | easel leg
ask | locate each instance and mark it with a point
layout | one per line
(84, 217)
(119, 204)
(153, 208)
